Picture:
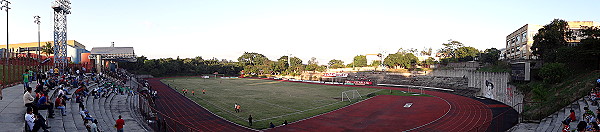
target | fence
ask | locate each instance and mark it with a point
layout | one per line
(15, 65)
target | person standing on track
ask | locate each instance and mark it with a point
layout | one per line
(203, 91)
(250, 120)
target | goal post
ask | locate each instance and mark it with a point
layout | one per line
(355, 94)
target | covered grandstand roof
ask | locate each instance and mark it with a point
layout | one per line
(114, 53)
(112, 50)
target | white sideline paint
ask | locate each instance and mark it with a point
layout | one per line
(408, 105)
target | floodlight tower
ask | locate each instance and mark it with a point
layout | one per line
(61, 9)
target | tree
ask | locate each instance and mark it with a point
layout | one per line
(48, 49)
(336, 63)
(553, 72)
(427, 52)
(404, 60)
(359, 61)
(429, 61)
(313, 60)
(313, 64)
(466, 53)
(450, 48)
(252, 58)
(589, 49)
(550, 38)
(376, 63)
(490, 56)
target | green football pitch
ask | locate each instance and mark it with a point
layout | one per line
(266, 100)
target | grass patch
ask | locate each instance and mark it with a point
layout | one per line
(267, 100)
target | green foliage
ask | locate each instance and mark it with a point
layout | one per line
(375, 63)
(490, 56)
(47, 49)
(550, 38)
(359, 61)
(336, 64)
(404, 60)
(252, 58)
(175, 67)
(553, 73)
(540, 92)
(450, 48)
(466, 53)
(500, 66)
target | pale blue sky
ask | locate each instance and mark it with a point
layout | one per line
(326, 30)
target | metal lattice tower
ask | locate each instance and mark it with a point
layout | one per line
(61, 9)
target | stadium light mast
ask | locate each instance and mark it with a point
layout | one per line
(37, 21)
(289, 62)
(61, 9)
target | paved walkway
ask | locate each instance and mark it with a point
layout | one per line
(12, 110)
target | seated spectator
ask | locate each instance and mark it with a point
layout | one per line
(28, 100)
(565, 127)
(44, 104)
(40, 122)
(60, 105)
(581, 126)
(94, 126)
(572, 116)
(29, 118)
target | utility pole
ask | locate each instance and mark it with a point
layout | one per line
(6, 54)
(39, 52)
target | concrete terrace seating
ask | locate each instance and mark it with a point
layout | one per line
(104, 109)
(553, 123)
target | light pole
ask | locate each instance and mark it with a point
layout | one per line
(5, 7)
(37, 21)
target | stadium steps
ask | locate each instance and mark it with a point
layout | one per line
(120, 105)
(553, 122)
(104, 123)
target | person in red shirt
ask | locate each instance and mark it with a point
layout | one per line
(119, 124)
(572, 116)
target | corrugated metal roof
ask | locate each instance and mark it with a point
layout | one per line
(112, 50)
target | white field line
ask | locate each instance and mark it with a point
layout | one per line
(299, 112)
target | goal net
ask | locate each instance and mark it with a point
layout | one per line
(350, 95)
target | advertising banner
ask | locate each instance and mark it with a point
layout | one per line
(335, 74)
(360, 82)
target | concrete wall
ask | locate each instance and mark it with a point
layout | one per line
(450, 73)
(492, 85)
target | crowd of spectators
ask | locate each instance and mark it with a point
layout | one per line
(67, 85)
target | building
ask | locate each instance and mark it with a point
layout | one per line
(74, 49)
(519, 42)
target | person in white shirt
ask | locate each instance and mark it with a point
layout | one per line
(29, 118)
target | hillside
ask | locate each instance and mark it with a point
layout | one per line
(543, 99)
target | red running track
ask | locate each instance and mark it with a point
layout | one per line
(380, 113)
(188, 112)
